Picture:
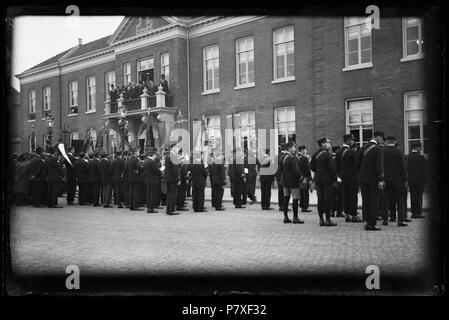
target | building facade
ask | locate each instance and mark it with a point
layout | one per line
(307, 77)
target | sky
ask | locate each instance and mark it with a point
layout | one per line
(38, 38)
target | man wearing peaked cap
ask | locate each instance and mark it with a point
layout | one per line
(417, 178)
(325, 176)
(304, 169)
(371, 178)
(347, 173)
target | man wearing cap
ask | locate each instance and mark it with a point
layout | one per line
(371, 179)
(217, 174)
(134, 180)
(38, 178)
(118, 171)
(183, 177)
(306, 174)
(417, 178)
(395, 177)
(82, 176)
(290, 177)
(347, 174)
(325, 170)
(280, 156)
(152, 175)
(54, 178)
(94, 179)
(107, 181)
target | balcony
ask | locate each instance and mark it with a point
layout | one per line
(160, 99)
(32, 116)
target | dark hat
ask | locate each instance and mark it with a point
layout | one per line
(349, 136)
(301, 147)
(39, 150)
(51, 150)
(322, 140)
(416, 144)
(379, 134)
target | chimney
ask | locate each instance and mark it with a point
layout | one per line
(80, 41)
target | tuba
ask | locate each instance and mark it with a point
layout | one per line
(61, 149)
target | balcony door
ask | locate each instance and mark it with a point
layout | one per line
(145, 69)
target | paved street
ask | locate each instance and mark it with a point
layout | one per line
(45, 241)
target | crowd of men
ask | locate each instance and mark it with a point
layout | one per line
(128, 179)
(134, 91)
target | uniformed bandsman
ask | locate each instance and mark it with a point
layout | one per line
(417, 178)
(325, 176)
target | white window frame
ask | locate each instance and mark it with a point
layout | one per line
(32, 101)
(276, 110)
(422, 95)
(165, 65)
(144, 59)
(237, 64)
(46, 96)
(127, 73)
(275, 44)
(73, 96)
(360, 65)
(216, 128)
(420, 54)
(215, 88)
(360, 124)
(238, 126)
(108, 82)
(91, 96)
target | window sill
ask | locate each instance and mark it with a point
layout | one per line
(280, 80)
(359, 66)
(34, 120)
(91, 111)
(411, 58)
(210, 92)
(72, 115)
(244, 86)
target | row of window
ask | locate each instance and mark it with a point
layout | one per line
(359, 122)
(358, 52)
(144, 72)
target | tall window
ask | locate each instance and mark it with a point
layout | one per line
(245, 123)
(126, 73)
(416, 123)
(283, 53)
(73, 97)
(213, 131)
(284, 122)
(109, 79)
(32, 105)
(357, 42)
(245, 61)
(46, 97)
(90, 82)
(413, 38)
(165, 65)
(211, 68)
(359, 119)
(145, 69)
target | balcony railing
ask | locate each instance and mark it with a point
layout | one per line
(160, 99)
(132, 104)
(32, 116)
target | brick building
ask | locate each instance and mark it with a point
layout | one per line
(306, 77)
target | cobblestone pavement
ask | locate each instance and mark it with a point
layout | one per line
(243, 241)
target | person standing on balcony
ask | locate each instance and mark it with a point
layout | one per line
(164, 84)
(113, 94)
